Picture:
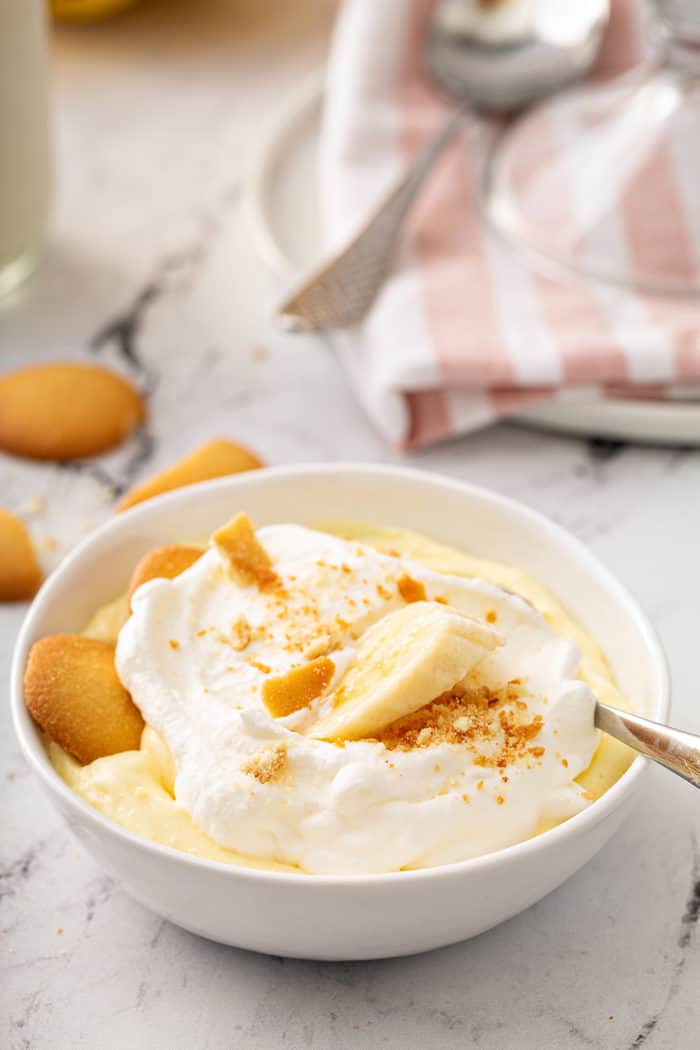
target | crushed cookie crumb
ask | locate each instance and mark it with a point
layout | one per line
(491, 616)
(241, 634)
(480, 785)
(267, 764)
(484, 722)
(500, 799)
(174, 644)
(411, 590)
(35, 504)
(441, 599)
(260, 666)
(383, 592)
(319, 646)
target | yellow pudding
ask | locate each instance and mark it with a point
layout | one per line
(135, 788)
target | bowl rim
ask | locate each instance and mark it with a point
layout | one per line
(579, 823)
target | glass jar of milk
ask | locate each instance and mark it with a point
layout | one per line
(24, 138)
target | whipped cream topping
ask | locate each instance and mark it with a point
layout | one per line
(197, 650)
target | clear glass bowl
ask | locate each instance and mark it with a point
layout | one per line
(604, 180)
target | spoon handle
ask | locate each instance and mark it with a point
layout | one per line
(673, 748)
(341, 291)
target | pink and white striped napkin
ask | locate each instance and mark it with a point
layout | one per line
(462, 333)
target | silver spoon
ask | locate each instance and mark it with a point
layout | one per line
(672, 748)
(483, 70)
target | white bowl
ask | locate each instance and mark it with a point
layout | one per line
(349, 917)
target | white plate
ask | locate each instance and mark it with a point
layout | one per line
(282, 205)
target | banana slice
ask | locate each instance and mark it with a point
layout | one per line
(406, 660)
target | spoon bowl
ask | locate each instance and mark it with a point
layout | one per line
(501, 67)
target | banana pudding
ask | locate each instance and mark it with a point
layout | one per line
(351, 700)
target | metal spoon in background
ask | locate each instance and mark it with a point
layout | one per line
(491, 56)
(672, 748)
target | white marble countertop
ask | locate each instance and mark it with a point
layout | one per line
(151, 269)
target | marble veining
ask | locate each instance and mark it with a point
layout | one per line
(151, 270)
